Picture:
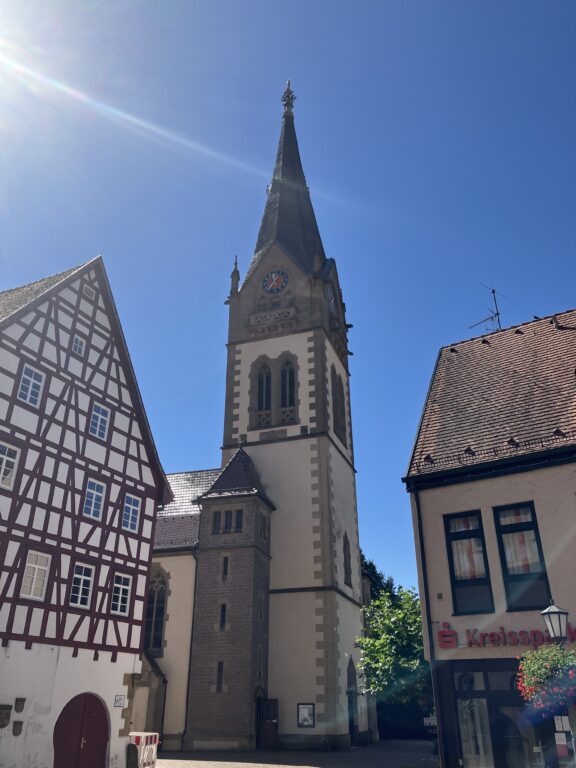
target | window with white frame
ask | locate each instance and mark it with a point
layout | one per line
(35, 577)
(121, 594)
(78, 346)
(31, 384)
(94, 499)
(82, 581)
(8, 464)
(131, 513)
(99, 421)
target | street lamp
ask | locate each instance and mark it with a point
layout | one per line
(556, 622)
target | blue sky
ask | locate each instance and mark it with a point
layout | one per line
(438, 140)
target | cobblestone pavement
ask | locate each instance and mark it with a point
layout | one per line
(385, 754)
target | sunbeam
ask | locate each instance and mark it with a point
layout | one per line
(120, 117)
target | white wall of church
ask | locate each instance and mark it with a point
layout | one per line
(48, 676)
(286, 473)
(175, 660)
(343, 485)
(292, 676)
(332, 359)
(349, 630)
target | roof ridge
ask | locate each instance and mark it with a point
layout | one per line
(61, 275)
(193, 471)
(547, 318)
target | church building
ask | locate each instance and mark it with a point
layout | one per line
(258, 562)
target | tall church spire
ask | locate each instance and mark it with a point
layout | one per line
(289, 218)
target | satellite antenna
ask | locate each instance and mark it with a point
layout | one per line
(494, 316)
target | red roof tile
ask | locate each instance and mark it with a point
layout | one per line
(512, 396)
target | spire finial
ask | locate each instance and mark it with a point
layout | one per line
(288, 99)
(234, 277)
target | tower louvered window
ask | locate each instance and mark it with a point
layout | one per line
(155, 615)
(338, 406)
(347, 566)
(287, 394)
(264, 405)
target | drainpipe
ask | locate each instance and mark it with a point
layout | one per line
(433, 664)
(185, 731)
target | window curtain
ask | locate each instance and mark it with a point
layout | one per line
(521, 552)
(468, 557)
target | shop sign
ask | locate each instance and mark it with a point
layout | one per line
(474, 638)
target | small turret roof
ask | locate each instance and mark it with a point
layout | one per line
(289, 218)
(238, 478)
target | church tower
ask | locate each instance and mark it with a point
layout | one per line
(288, 409)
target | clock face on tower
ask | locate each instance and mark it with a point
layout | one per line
(275, 281)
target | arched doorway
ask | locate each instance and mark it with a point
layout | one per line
(352, 694)
(81, 734)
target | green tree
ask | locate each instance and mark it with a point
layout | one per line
(378, 582)
(392, 650)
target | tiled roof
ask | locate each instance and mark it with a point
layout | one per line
(186, 488)
(176, 531)
(238, 478)
(508, 394)
(289, 218)
(15, 298)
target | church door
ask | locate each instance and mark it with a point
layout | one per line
(81, 734)
(267, 723)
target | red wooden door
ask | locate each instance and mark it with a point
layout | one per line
(81, 734)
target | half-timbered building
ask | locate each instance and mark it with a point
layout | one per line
(79, 485)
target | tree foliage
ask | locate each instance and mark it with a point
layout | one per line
(378, 582)
(392, 649)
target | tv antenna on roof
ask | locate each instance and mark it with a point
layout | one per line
(494, 316)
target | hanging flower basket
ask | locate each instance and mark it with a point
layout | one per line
(546, 679)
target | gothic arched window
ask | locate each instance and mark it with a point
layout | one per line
(287, 385)
(155, 616)
(347, 566)
(264, 395)
(338, 406)
(287, 393)
(273, 391)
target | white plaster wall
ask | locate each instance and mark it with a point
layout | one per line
(285, 471)
(332, 359)
(553, 491)
(48, 677)
(175, 660)
(349, 630)
(297, 345)
(345, 519)
(292, 663)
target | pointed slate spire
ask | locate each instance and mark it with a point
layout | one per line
(238, 478)
(289, 218)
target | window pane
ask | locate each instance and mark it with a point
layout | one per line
(475, 733)
(502, 681)
(515, 516)
(472, 598)
(528, 592)
(521, 552)
(468, 557)
(466, 523)
(469, 681)
(238, 520)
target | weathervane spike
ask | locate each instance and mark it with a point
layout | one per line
(288, 99)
